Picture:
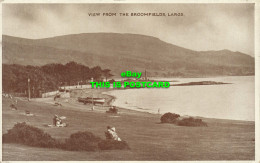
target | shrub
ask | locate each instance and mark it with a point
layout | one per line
(82, 141)
(169, 118)
(25, 134)
(191, 122)
(174, 118)
(113, 144)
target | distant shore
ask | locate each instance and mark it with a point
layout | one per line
(200, 83)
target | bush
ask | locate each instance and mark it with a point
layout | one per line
(25, 134)
(169, 118)
(174, 118)
(82, 141)
(113, 144)
(191, 122)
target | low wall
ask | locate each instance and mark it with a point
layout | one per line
(48, 94)
(76, 87)
(63, 94)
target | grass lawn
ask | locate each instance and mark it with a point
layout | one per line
(147, 138)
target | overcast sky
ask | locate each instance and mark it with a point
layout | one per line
(203, 26)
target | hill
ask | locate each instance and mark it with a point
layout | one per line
(121, 52)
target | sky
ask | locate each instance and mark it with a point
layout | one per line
(202, 27)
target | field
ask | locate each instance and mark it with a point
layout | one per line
(146, 136)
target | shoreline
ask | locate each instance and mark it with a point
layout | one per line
(122, 110)
(103, 93)
(73, 104)
(130, 108)
(127, 110)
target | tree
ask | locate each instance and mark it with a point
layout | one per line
(107, 74)
(48, 77)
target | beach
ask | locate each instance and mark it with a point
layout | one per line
(146, 136)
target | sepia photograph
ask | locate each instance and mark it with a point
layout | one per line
(129, 82)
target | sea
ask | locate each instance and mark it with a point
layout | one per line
(234, 101)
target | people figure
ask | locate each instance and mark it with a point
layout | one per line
(57, 121)
(114, 108)
(13, 107)
(111, 133)
(108, 133)
(54, 120)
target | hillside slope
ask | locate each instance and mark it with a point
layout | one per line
(121, 52)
